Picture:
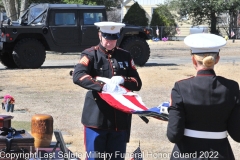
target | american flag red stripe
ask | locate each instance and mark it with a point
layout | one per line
(132, 103)
(126, 103)
(135, 101)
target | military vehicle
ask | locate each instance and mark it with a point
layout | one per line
(63, 28)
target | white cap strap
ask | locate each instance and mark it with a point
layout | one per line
(205, 135)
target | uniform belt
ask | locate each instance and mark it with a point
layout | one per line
(205, 135)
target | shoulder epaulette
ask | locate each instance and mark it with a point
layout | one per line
(185, 79)
(96, 47)
(88, 50)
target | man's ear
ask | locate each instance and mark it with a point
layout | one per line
(194, 61)
(217, 59)
(100, 36)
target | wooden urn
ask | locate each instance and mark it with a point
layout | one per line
(42, 130)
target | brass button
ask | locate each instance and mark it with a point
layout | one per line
(114, 67)
(112, 61)
(129, 78)
(114, 72)
(124, 68)
(95, 99)
(101, 83)
(110, 55)
(100, 68)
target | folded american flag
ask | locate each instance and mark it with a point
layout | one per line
(132, 103)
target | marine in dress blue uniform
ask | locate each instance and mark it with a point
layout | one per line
(204, 109)
(107, 130)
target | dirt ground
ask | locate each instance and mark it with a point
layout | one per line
(51, 91)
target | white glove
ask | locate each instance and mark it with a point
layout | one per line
(104, 79)
(117, 80)
(109, 87)
(113, 88)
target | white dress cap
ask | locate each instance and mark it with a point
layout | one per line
(204, 43)
(109, 27)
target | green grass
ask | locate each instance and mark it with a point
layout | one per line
(20, 125)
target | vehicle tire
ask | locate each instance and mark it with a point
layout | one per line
(6, 59)
(29, 53)
(139, 49)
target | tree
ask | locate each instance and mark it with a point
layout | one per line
(24, 5)
(109, 4)
(114, 15)
(76, 2)
(136, 16)
(233, 12)
(205, 11)
(163, 18)
(13, 10)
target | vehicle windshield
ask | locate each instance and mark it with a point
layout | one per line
(34, 12)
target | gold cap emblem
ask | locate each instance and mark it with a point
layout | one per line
(112, 28)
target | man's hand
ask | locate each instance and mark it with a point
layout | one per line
(117, 80)
(113, 88)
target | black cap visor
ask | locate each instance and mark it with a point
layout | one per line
(109, 36)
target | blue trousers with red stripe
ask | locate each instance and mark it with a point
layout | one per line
(105, 144)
